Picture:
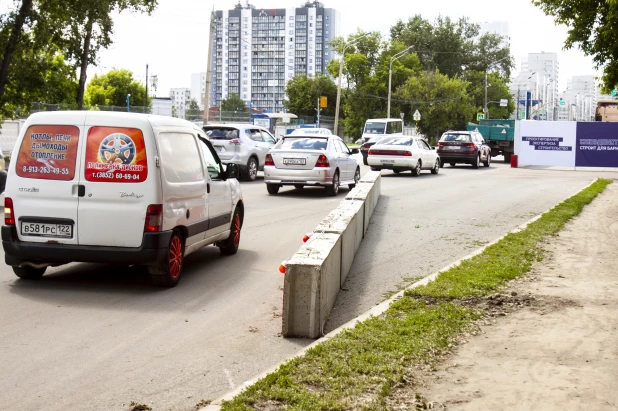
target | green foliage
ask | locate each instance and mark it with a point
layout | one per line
(303, 93)
(111, 89)
(233, 103)
(593, 28)
(497, 89)
(193, 105)
(442, 101)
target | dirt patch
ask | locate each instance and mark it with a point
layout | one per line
(548, 342)
(134, 406)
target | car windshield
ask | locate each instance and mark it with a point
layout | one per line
(303, 143)
(221, 133)
(374, 128)
(456, 137)
(397, 141)
(305, 131)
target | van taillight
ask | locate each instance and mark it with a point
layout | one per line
(322, 161)
(154, 218)
(269, 160)
(9, 212)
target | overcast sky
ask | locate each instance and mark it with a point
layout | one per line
(173, 40)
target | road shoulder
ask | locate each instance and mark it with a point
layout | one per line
(550, 341)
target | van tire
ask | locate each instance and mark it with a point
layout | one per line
(29, 273)
(3, 176)
(167, 272)
(230, 246)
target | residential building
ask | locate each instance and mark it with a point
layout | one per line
(580, 99)
(257, 50)
(198, 88)
(181, 98)
(539, 75)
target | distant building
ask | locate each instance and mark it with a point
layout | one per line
(181, 98)
(198, 88)
(501, 28)
(580, 99)
(257, 50)
(162, 106)
(539, 75)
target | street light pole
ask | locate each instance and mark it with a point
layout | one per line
(390, 76)
(336, 127)
(485, 110)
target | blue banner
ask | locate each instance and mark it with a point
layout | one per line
(596, 145)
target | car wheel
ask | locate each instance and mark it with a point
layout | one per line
(167, 272)
(333, 190)
(365, 161)
(252, 169)
(397, 170)
(487, 162)
(272, 188)
(476, 162)
(29, 273)
(416, 171)
(230, 246)
(299, 186)
(441, 163)
(356, 179)
(452, 163)
(436, 168)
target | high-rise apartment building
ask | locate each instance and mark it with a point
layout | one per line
(539, 75)
(579, 99)
(256, 51)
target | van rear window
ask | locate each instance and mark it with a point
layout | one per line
(116, 154)
(48, 152)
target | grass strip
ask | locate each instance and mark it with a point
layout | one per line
(359, 367)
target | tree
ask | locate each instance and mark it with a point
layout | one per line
(497, 89)
(111, 89)
(593, 28)
(194, 106)
(233, 103)
(303, 93)
(90, 27)
(12, 33)
(442, 101)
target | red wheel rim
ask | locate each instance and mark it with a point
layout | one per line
(236, 230)
(175, 257)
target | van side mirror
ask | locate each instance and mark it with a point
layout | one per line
(354, 151)
(232, 171)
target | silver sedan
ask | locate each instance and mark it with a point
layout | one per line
(310, 160)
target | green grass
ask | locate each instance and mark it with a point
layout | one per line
(359, 367)
(352, 145)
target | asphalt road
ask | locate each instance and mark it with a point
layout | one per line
(98, 337)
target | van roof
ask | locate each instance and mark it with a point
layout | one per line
(384, 119)
(73, 116)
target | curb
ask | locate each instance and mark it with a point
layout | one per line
(215, 405)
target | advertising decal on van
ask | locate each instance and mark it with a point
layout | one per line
(115, 154)
(48, 153)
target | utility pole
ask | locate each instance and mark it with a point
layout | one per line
(146, 87)
(318, 112)
(209, 68)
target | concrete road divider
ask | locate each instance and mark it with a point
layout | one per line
(314, 275)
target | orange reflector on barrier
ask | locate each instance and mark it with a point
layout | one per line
(306, 237)
(282, 268)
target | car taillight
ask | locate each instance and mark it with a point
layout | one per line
(235, 141)
(469, 146)
(9, 212)
(390, 153)
(322, 161)
(154, 218)
(269, 160)
(367, 146)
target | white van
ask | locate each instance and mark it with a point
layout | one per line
(376, 129)
(123, 188)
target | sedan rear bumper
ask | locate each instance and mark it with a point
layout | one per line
(316, 176)
(390, 161)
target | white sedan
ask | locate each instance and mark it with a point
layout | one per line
(404, 153)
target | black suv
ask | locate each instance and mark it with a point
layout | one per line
(467, 147)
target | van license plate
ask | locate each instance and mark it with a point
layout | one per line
(47, 230)
(297, 161)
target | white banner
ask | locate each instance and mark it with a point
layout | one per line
(546, 143)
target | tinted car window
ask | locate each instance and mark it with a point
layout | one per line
(255, 135)
(398, 141)
(304, 143)
(424, 145)
(221, 133)
(268, 138)
(374, 128)
(464, 138)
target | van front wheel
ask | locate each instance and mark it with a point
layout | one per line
(230, 246)
(167, 272)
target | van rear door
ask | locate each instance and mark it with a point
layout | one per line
(118, 185)
(45, 186)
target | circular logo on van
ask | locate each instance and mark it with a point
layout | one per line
(117, 148)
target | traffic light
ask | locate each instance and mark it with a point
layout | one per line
(561, 102)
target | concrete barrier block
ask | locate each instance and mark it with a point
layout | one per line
(311, 285)
(347, 220)
(374, 177)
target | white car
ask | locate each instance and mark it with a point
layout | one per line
(316, 160)
(404, 153)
